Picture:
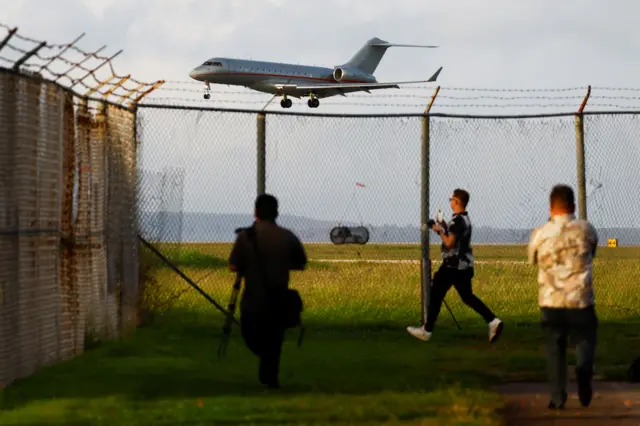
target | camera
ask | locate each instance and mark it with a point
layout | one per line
(439, 220)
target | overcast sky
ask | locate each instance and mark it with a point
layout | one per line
(493, 43)
(499, 44)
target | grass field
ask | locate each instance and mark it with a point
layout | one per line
(357, 364)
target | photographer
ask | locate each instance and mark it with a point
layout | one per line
(457, 270)
(564, 248)
(264, 254)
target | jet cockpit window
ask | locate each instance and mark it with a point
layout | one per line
(213, 64)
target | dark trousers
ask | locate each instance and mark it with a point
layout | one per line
(581, 324)
(264, 338)
(443, 279)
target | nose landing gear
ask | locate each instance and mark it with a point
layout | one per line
(207, 95)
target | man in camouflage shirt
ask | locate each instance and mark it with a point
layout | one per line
(564, 248)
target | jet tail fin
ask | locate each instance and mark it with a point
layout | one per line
(370, 55)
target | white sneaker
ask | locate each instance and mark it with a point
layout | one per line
(419, 333)
(495, 328)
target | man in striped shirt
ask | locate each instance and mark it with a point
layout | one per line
(457, 270)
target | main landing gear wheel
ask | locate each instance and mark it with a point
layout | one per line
(313, 103)
(286, 103)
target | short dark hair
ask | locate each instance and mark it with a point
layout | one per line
(266, 207)
(562, 196)
(461, 195)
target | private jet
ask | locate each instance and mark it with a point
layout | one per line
(297, 81)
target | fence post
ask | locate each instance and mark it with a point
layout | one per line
(262, 148)
(580, 163)
(425, 258)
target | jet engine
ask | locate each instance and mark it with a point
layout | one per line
(341, 74)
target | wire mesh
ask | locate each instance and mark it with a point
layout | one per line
(355, 172)
(122, 227)
(30, 220)
(508, 167)
(197, 183)
(612, 155)
(53, 224)
(68, 201)
(339, 171)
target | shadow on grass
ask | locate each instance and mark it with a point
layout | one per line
(174, 360)
(177, 358)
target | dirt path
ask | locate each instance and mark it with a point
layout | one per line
(613, 404)
(416, 262)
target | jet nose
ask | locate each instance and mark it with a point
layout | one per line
(194, 73)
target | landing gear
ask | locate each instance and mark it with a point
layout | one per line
(207, 95)
(286, 102)
(313, 102)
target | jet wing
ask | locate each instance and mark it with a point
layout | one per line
(356, 86)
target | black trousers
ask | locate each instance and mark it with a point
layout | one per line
(559, 324)
(264, 338)
(443, 279)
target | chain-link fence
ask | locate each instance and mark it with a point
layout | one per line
(67, 223)
(68, 201)
(331, 171)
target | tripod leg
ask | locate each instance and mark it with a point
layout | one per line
(226, 328)
(452, 316)
(448, 309)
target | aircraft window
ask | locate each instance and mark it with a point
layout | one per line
(207, 63)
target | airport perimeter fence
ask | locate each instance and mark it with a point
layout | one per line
(68, 229)
(366, 171)
(68, 203)
(82, 176)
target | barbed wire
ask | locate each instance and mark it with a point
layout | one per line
(459, 89)
(387, 95)
(567, 99)
(177, 101)
(53, 62)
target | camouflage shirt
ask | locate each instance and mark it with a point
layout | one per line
(460, 256)
(563, 249)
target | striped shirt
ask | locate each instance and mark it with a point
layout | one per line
(460, 256)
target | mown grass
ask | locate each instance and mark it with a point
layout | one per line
(396, 251)
(357, 364)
